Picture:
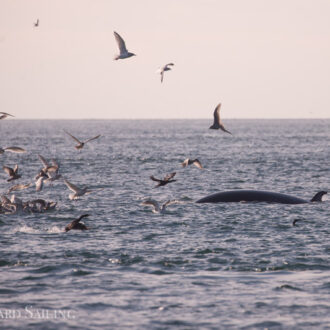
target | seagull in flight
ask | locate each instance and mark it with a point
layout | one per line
(81, 144)
(156, 208)
(166, 67)
(217, 122)
(189, 161)
(165, 181)
(4, 115)
(75, 224)
(77, 191)
(123, 52)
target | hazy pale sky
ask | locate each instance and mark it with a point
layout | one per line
(259, 58)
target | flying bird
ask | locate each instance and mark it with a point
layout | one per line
(4, 115)
(123, 52)
(189, 161)
(12, 172)
(16, 150)
(19, 186)
(217, 122)
(156, 208)
(75, 224)
(36, 24)
(77, 191)
(163, 69)
(165, 181)
(81, 144)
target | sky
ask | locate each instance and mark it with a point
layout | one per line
(259, 58)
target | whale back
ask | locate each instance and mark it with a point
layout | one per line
(251, 196)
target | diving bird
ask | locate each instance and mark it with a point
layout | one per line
(156, 208)
(123, 52)
(75, 224)
(77, 191)
(16, 150)
(166, 67)
(189, 161)
(217, 122)
(12, 172)
(165, 181)
(4, 115)
(81, 144)
(36, 24)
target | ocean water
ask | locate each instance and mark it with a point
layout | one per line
(196, 266)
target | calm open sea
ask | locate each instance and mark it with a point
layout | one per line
(197, 266)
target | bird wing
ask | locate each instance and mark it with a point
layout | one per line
(223, 128)
(154, 179)
(185, 162)
(15, 169)
(55, 163)
(73, 137)
(93, 138)
(15, 149)
(6, 114)
(216, 115)
(71, 186)
(39, 183)
(197, 163)
(153, 203)
(43, 160)
(120, 42)
(162, 76)
(169, 176)
(8, 170)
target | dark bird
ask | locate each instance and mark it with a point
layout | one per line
(189, 161)
(164, 68)
(123, 52)
(12, 172)
(217, 122)
(75, 224)
(4, 115)
(165, 181)
(36, 24)
(81, 144)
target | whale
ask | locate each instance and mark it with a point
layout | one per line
(233, 196)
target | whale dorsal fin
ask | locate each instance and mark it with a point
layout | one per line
(318, 196)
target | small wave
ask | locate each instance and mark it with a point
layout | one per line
(25, 229)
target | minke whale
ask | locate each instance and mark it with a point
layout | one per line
(257, 196)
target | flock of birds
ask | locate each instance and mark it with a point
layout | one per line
(50, 171)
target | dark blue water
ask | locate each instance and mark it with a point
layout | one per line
(197, 266)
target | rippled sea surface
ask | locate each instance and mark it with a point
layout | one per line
(196, 266)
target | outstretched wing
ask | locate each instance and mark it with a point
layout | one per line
(153, 203)
(72, 136)
(93, 138)
(71, 186)
(154, 179)
(44, 161)
(17, 150)
(8, 170)
(216, 115)
(197, 163)
(120, 42)
(169, 176)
